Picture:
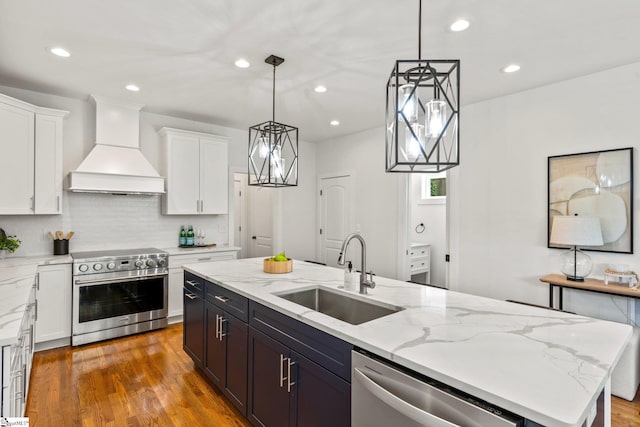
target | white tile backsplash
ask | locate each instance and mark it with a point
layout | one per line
(105, 221)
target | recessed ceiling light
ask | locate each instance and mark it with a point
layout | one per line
(320, 89)
(242, 63)
(334, 123)
(512, 68)
(132, 88)
(59, 51)
(459, 25)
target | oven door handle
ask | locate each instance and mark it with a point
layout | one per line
(118, 279)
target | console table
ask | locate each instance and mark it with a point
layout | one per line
(591, 285)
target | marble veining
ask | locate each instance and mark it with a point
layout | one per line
(17, 276)
(545, 365)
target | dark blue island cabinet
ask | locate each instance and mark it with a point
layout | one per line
(298, 375)
(276, 370)
(225, 361)
(193, 318)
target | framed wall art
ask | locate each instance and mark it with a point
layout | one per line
(599, 184)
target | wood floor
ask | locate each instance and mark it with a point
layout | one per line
(147, 380)
(141, 380)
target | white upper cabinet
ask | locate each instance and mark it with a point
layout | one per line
(30, 158)
(196, 168)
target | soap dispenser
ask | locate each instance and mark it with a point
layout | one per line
(349, 280)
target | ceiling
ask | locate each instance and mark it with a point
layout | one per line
(182, 53)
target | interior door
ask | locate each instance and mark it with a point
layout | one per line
(260, 212)
(335, 216)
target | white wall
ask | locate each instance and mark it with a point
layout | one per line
(434, 218)
(499, 193)
(375, 193)
(106, 221)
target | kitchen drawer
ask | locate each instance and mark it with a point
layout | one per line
(326, 350)
(194, 284)
(177, 261)
(227, 300)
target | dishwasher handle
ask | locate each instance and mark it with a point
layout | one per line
(401, 406)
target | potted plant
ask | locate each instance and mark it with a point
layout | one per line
(8, 244)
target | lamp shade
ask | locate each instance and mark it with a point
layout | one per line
(576, 231)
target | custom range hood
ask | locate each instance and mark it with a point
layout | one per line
(116, 165)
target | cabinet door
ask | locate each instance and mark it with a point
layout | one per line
(48, 158)
(268, 402)
(183, 187)
(226, 355)
(193, 326)
(16, 160)
(214, 177)
(175, 292)
(54, 303)
(322, 398)
(215, 361)
(235, 334)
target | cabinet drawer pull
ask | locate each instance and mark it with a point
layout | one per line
(190, 296)
(221, 299)
(192, 283)
(204, 259)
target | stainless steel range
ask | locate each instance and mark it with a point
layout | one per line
(118, 292)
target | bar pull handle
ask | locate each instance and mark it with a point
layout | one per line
(192, 283)
(58, 204)
(221, 299)
(282, 378)
(190, 296)
(289, 383)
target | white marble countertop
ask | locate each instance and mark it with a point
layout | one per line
(544, 365)
(17, 275)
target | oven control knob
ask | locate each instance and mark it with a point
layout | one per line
(111, 265)
(97, 267)
(162, 262)
(151, 263)
(83, 267)
(139, 263)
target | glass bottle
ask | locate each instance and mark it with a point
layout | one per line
(183, 236)
(190, 236)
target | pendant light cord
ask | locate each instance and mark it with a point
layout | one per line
(420, 30)
(273, 95)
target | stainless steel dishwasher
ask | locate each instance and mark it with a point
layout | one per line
(383, 395)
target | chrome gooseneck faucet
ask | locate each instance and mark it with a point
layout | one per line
(364, 282)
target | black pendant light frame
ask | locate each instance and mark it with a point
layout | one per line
(419, 83)
(271, 146)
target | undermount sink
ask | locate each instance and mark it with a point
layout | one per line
(339, 306)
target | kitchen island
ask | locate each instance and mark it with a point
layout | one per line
(547, 366)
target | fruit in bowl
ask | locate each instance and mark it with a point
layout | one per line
(277, 264)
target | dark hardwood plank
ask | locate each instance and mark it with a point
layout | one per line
(141, 380)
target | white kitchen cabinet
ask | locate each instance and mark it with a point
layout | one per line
(30, 158)
(196, 168)
(54, 304)
(176, 274)
(420, 260)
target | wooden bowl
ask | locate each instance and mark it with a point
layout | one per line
(277, 267)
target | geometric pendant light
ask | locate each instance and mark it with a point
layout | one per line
(273, 147)
(422, 114)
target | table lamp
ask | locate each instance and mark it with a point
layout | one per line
(576, 231)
